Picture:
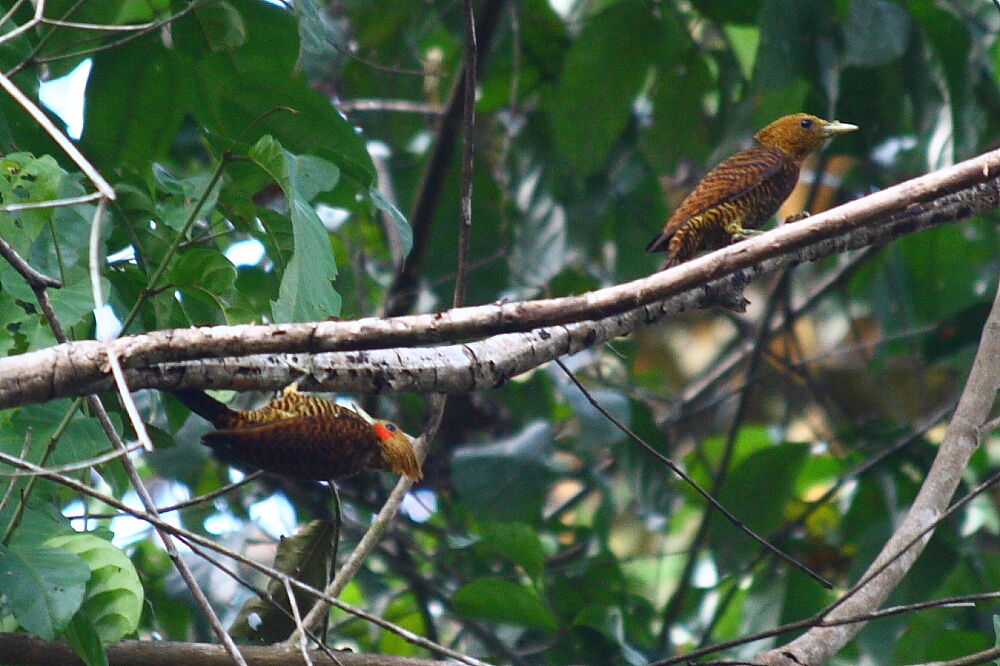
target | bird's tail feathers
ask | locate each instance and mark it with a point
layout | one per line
(205, 406)
(659, 244)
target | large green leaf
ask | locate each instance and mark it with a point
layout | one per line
(25, 178)
(757, 492)
(786, 27)
(157, 87)
(517, 542)
(242, 91)
(506, 480)
(502, 601)
(305, 293)
(204, 269)
(43, 585)
(679, 130)
(114, 593)
(82, 437)
(601, 77)
(63, 49)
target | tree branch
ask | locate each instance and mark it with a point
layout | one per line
(402, 293)
(28, 649)
(79, 367)
(909, 539)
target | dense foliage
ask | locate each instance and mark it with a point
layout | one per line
(295, 133)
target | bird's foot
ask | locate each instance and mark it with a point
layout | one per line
(292, 388)
(744, 234)
(305, 371)
(797, 217)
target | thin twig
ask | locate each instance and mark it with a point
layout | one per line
(378, 527)
(31, 276)
(468, 152)
(165, 528)
(907, 542)
(676, 469)
(820, 620)
(107, 192)
(200, 499)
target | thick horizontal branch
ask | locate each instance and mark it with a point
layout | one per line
(445, 369)
(80, 367)
(28, 649)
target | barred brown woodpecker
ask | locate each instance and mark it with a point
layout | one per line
(745, 190)
(304, 437)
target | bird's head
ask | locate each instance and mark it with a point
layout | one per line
(396, 449)
(801, 134)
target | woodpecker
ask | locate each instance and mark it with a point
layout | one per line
(304, 437)
(745, 190)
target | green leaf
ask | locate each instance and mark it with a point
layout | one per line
(312, 29)
(27, 179)
(601, 76)
(305, 293)
(506, 480)
(757, 492)
(501, 601)
(595, 428)
(517, 542)
(242, 88)
(222, 26)
(81, 634)
(203, 268)
(44, 587)
(137, 11)
(61, 48)
(306, 557)
(114, 593)
(74, 301)
(39, 522)
(608, 621)
(82, 437)
(875, 32)
(404, 611)
(786, 27)
(156, 86)
(679, 130)
(311, 175)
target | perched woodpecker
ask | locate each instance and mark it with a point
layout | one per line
(744, 191)
(304, 437)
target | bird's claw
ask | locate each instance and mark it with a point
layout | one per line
(744, 234)
(305, 371)
(797, 217)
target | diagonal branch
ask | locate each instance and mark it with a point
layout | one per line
(909, 539)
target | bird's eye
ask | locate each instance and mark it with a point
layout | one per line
(391, 427)
(806, 123)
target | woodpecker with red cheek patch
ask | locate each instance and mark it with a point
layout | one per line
(304, 437)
